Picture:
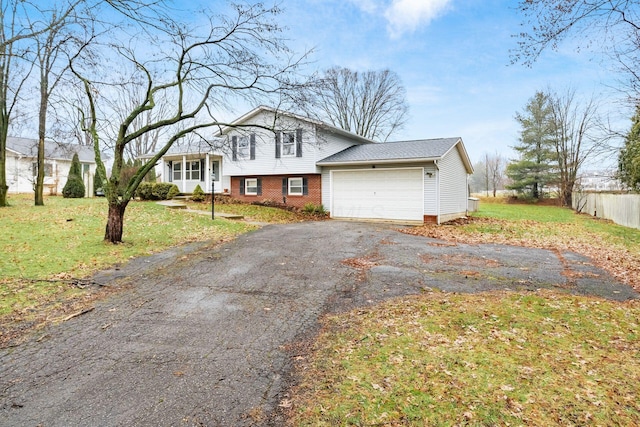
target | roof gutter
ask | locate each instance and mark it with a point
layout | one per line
(377, 161)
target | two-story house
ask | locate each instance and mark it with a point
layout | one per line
(285, 158)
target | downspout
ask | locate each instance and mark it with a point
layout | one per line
(435, 163)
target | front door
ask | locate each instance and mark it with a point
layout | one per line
(215, 176)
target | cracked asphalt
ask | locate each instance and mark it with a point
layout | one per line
(202, 336)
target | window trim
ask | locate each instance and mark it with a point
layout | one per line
(290, 186)
(177, 168)
(247, 186)
(189, 171)
(292, 143)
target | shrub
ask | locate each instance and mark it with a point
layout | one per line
(173, 191)
(74, 188)
(97, 183)
(157, 190)
(198, 194)
(311, 208)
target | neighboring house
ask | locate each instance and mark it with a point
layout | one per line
(285, 158)
(599, 181)
(21, 165)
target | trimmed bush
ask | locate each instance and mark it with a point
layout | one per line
(157, 191)
(173, 191)
(198, 194)
(74, 188)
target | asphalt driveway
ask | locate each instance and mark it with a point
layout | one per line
(203, 336)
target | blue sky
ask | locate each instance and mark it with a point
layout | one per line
(453, 58)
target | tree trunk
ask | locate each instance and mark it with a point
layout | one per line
(115, 221)
(39, 199)
(4, 188)
(567, 199)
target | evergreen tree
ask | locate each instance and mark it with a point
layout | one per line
(74, 188)
(535, 168)
(97, 183)
(629, 157)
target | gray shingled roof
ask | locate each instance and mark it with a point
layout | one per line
(393, 151)
(52, 150)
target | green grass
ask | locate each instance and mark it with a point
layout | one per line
(492, 208)
(64, 239)
(254, 212)
(486, 359)
(529, 220)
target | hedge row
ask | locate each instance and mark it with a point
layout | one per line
(157, 191)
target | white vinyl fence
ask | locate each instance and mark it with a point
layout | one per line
(623, 209)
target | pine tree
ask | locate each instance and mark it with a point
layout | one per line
(74, 188)
(535, 168)
(629, 157)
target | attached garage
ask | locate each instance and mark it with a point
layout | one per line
(421, 180)
(395, 194)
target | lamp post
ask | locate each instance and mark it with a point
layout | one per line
(213, 203)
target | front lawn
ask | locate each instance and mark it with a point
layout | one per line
(494, 359)
(64, 240)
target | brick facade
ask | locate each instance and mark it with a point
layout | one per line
(271, 190)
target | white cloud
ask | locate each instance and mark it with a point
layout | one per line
(405, 16)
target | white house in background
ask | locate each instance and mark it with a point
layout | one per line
(285, 158)
(21, 163)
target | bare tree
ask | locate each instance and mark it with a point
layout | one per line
(613, 27)
(52, 65)
(371, 104)
(575, 138)
(15, 62)
(147, 142)
(495, 164)
(241, 56)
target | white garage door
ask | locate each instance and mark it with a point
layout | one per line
(378, 194)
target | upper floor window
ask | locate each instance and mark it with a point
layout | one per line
(243, 147)
(289, 143)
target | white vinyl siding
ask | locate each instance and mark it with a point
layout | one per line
(316, 145)
(430, 190)
(453, 184)
(384, 193)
